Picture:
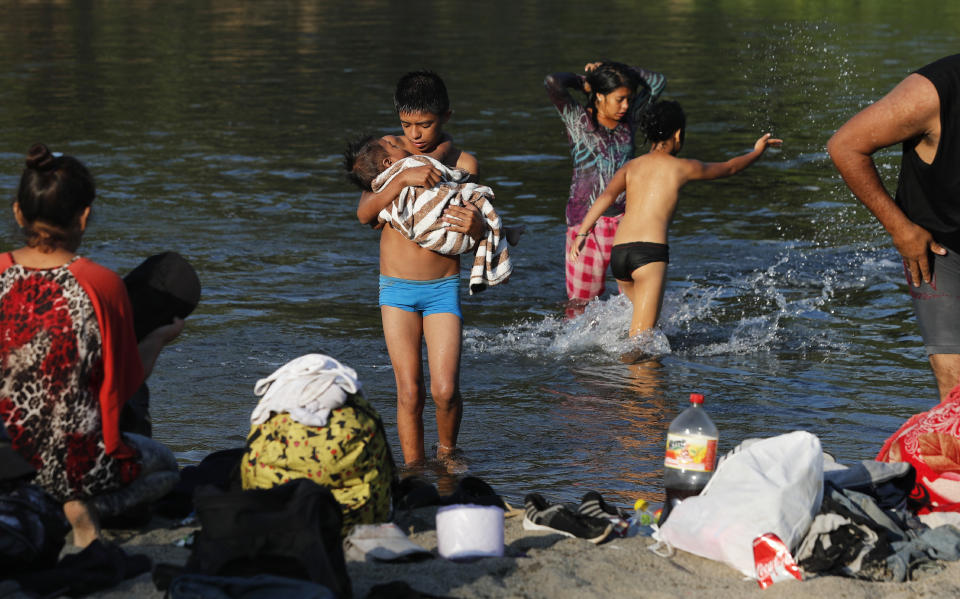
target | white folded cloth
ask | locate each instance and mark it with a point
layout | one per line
(307, 388)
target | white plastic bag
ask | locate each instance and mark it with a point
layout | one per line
(774, 485)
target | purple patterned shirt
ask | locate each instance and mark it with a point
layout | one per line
(597, 151)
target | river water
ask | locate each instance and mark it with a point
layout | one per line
(216, 128)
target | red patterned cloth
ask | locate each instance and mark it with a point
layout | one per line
(68, 363)
(587, 276)
(930, 441)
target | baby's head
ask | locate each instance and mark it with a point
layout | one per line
(369, 156)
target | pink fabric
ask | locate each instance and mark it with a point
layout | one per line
(930, 441)
(586, 277)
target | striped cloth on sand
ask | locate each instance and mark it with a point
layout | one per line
(417, 214)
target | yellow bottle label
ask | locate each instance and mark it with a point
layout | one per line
(690, 452)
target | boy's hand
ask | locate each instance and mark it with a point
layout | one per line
(765, 142)
(422, 176)
(465, 219)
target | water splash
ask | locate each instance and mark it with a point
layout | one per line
(787, 305)
(803, 75)
(599, 330)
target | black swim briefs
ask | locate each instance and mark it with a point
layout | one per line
(628, 257)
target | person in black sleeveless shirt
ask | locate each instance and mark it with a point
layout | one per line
(923, 113)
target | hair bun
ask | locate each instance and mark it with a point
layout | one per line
(39, 157)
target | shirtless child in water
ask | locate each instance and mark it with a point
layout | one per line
(653, 181)
(419, 288)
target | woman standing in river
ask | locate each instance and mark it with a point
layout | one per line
(601, 141)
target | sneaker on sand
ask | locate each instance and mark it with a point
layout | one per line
(594, 506)
(539, 515)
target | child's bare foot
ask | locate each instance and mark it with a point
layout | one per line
(415, 468)
(636, 355)
(83, 520)
(444, 451)
(451, 459)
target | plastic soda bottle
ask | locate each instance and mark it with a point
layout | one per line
(690, 456)
(642, 520)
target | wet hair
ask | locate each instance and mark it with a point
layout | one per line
(421, 91)
(662, 119)
(362, 160)
(53, 193)
(607, 77)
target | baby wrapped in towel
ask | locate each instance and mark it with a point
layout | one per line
(417, 212)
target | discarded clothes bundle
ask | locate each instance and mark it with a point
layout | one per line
(863, 529)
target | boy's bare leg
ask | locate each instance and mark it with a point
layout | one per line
(83, 520)
(946, 367)
(442, 332)
(403, 332)
(646, 294)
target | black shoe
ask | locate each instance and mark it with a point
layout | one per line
(561, 519)
(413, 492)
(474, 491)
(594, 506)
(136, 517)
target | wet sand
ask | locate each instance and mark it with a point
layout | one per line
(541, 565)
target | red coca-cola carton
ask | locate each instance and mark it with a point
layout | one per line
(773, 560)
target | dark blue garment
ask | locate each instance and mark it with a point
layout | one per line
(853, 536)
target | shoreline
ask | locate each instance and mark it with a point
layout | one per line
(546, 565)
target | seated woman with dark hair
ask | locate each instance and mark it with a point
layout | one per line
(69, 359)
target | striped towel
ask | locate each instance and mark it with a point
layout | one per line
(417, 214)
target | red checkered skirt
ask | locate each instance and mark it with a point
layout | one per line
(586, 277)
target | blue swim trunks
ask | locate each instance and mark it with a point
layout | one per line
(427, 297)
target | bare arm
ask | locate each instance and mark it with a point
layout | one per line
(702, 171)
(909, 111)
(469, 163)
(616, 186)
(150, 346)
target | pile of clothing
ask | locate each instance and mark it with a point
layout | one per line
(865, 530)
(861, 521)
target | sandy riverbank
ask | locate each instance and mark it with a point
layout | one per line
(539, 565)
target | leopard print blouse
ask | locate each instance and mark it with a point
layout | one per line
(51, 371)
